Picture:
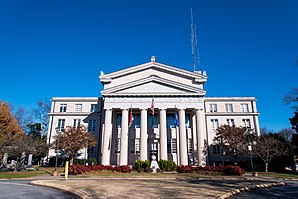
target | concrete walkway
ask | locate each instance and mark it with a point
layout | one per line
(154, 187)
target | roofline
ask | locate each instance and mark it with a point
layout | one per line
(84, 99)
(229, 98)
(107, 77)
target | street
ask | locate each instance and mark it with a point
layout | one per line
(290, 190)
(22, 189)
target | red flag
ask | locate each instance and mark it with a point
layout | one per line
(152, 106)
(130, 118)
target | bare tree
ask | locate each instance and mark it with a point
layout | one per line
(24, 117)
(41, 113)
(269, 146)
(233, 138)
(72, 140)
(286, 133)
(292, 98)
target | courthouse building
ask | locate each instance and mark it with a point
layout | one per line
(172, 118)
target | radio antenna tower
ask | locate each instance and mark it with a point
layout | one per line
(194, 42)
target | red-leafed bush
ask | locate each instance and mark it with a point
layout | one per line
(233, 170)
(77, 169)
(184, 169)
(125, 169)
(227, 170)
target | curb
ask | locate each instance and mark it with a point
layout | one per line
(51, 184)
(250, 188)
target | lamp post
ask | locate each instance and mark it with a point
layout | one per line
(58, 130)
(249, 133)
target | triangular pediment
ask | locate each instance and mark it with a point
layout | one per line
(153, 85)
(153, 78)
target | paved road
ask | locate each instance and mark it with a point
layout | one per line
(15, 189)
(289, 191)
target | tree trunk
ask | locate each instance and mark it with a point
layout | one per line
(266, 167)
(71, 161)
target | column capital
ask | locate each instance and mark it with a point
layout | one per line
(143, 109)
(124, 109)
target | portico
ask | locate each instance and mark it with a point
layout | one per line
(175, 91)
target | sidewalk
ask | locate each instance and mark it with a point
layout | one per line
(150, 187)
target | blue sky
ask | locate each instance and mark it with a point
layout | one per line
(58, 48)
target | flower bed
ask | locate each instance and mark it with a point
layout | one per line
(227, 170)
(76, 169)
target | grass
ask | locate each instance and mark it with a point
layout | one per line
(20, 174)
(27, 174)
(279, 175)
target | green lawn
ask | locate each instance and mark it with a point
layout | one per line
(22, 174)
(279, 175)
(27, 174)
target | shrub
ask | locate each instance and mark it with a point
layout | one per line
(125, 169)
(233, 170)
(141, 165)
(227, 170)
(167, 165)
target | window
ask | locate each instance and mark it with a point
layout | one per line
(135, 146)
(63, 107)
(76, 123)
(214, 124)
(117, 145)
(244, 108)
(231, 122)
(78, 108)
(172, 145)
(118, 120)
(216, 149)
(213, 107)
(189, 144)
(154, 123)
(91, 125)
(229, 108)
(61, 124)
(93, 108)
(246, 123)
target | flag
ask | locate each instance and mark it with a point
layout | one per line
(130, 118)
(176, 122)
(152, 106)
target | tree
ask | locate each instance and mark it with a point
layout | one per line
(292, 98)
(233, 138)
(294, 121)
(72, 140)
(268, 146)
(9, 128)
(41, 114)
(286, 133)
(24, 117)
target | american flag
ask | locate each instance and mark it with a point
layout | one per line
(130, 118)
(152, 106)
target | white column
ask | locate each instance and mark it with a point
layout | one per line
(163, 134)
(124, 138)
(194, 138)
(200, 136)
(105, 158)
(144, 127)
(257, 126)
(183, 142)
